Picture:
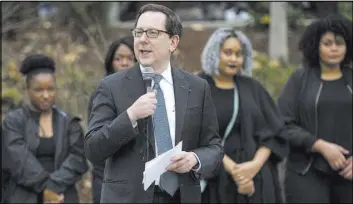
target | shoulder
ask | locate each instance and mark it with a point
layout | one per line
(114, 78)
(193, 79)
(15, 117)
(248, 84)
(249, 81)
(202, 75)
(117, 75)
(300, 72)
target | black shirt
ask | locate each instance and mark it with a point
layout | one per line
(334, 118)
(223, 102)
(46, 153)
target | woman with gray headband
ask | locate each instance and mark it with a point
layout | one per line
(248, 122)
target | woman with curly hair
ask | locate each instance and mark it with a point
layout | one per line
(248, 122)
(43, 145)
(316, 104)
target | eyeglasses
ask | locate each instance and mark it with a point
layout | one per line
(151, 33)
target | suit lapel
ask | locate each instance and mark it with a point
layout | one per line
(181, 95)
(134, 88)
(133, 84)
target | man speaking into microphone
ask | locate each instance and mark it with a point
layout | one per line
(129, 125)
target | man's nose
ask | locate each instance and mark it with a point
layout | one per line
(144, 37)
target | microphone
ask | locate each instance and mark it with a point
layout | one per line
(147, 75)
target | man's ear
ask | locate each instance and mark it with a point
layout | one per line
(174, 43)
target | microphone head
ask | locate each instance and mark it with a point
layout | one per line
(147, 73)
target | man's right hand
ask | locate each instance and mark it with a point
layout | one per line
(143, 106)
(333, 153)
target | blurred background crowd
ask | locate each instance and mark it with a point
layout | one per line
(77, 36)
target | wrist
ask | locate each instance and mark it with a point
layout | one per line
(196, 162)
(258, 163)
(318, 145)
(228, 164)
(131, 114)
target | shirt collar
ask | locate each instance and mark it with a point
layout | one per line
(167, 74)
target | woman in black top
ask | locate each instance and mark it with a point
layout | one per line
(248, 122)
(43, 145)
(317, 107)
(120, 56)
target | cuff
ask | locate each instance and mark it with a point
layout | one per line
(309, 142)
(53, 186)
(134, 123)
(198, 165)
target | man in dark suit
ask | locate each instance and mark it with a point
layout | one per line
(180, 107)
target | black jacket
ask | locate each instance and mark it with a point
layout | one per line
(298, 105)
(261, 125)
(28, 178)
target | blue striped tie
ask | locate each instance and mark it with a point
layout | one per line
(168, 180)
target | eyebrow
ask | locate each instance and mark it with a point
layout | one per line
(232, 49)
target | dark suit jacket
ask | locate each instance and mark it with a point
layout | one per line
(111, 135)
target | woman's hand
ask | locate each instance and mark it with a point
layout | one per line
(52, 197)
(347, 170)
(246, 171)
(246, 188)
(333, 153)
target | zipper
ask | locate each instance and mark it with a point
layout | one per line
(349, 88)
(306, 169)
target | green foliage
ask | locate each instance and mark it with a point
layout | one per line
(345, 8)
(272, 74)
(77, 71)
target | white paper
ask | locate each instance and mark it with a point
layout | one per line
(157, 166)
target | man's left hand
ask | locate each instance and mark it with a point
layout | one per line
(182, 163)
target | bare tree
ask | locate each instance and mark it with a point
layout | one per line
(17, 16)
(278, 36)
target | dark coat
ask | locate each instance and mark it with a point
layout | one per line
(28, 178)
(98, 168)
(112, 137)
(261, 125)
(297, 103)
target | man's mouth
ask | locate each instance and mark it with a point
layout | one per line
(145, 51)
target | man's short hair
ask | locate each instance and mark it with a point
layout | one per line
(173, 23)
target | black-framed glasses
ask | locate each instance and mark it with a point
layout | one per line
(151, 33)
